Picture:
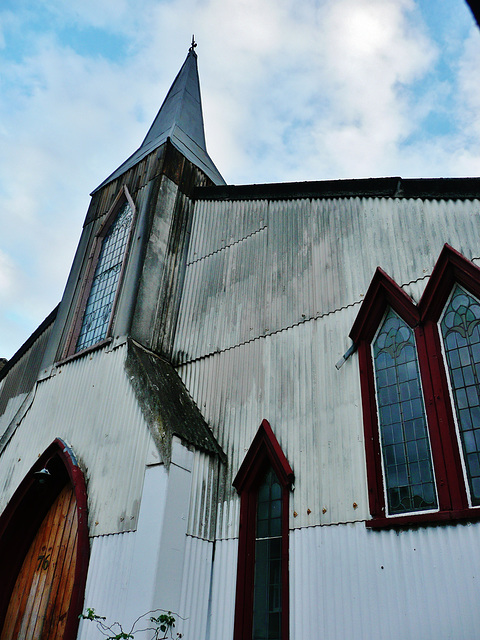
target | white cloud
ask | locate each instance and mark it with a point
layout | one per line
(7, 276)
(291, 91)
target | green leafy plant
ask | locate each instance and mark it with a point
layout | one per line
(161, 626)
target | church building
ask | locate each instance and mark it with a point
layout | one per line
(256, 407)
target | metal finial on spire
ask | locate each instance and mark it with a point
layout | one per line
(194, 44)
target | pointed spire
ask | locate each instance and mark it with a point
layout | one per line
(182, 107)
(180, 119)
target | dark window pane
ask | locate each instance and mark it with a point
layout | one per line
(472, 397)
(276, 491)
(465, 416)
(389, 455)
(415, 474)
(387, 435)
(469, 441)
(267, 593)
(468, 376)
(263, 510)
(473, 464)
(476, 490)
(262, 529)
(475, 416)
(276, 509)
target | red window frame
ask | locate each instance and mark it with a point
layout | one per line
(264, 452)
(122, 197)
(451, 268)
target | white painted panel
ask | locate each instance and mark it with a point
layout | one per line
(122, 569)
(350, 582)
(171, 553)
(148, 541)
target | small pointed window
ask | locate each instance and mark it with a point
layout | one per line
(263, 482)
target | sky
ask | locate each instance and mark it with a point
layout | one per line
(291, 91)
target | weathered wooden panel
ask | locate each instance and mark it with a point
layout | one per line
(41, 596)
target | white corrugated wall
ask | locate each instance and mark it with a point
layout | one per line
(314, 409)
(351, 582)
(72, 404)
(271, 292)
(285, 261)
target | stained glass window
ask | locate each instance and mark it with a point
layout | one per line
(267, 609)
(460, 327)
(405, 445)
(105, 280)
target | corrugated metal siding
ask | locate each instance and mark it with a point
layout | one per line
(208, 594)
(194, 603)
(206, 474)
(22, 376)
(290, 379)
(222, 600)
(109, 573)
(284, 261)
(90, 404)
(349, 582)
(221, 224)
(271, 292)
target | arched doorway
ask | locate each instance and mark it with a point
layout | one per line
(44, 550)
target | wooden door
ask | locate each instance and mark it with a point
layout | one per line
(40, 599)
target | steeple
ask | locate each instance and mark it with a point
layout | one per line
(179, 119)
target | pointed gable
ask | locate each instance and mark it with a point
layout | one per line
(180, 120)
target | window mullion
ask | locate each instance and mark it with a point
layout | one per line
(448, 465)
(439, 466)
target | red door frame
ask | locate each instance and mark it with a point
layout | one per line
(24, 514)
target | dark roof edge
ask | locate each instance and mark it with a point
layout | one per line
(29, 342)
(394, 187)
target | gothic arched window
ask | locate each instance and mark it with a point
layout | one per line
(460, 329)
(263, 481)
(104, 275)
(404, 439)
(420, 379)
